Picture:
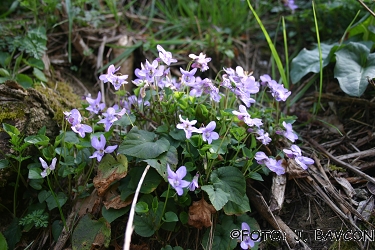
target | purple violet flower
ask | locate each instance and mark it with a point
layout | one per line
(289, 133)
(81, 129)
(187, 126)
(295, 153)
(208, 133)
(278, 91)
(265, 79)
(271, 164)
(246, 241)
(290, 4)
(205, 86)
(175, 179)
(261, 157)
(47, 169)
(73, 117)
(275, 166)
(263, 137)
(188, 77)
(116, 79)
(200, 61)
(304, 161)
(245, 116)
(99, 146)
(194, 183)
(95, 104)
(165, 56)
(111, 116)
(151, 70)
(110, 74)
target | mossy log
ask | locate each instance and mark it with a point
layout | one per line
(29, 110)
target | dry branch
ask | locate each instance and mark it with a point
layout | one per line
(341, 163)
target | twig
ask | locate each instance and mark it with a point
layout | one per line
(341, 163)
(362, 154)
(129, 226)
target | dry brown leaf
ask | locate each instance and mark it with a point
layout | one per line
(200, 214)
(102, 184)
(89, 205)
(117, 203)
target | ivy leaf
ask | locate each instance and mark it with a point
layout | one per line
(307, 61)
(217, 196)
(354, 64)
(11, 130)
(143, 144)
(231, 181)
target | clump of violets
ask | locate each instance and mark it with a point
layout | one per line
(225, 104)
(47, 169)
(99, 145)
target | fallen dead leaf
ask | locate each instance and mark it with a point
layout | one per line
(200, 214)
(110, 170)
(89, 205)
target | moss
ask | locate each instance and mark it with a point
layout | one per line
(11, 111)
(63, 99)
(336, 168)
